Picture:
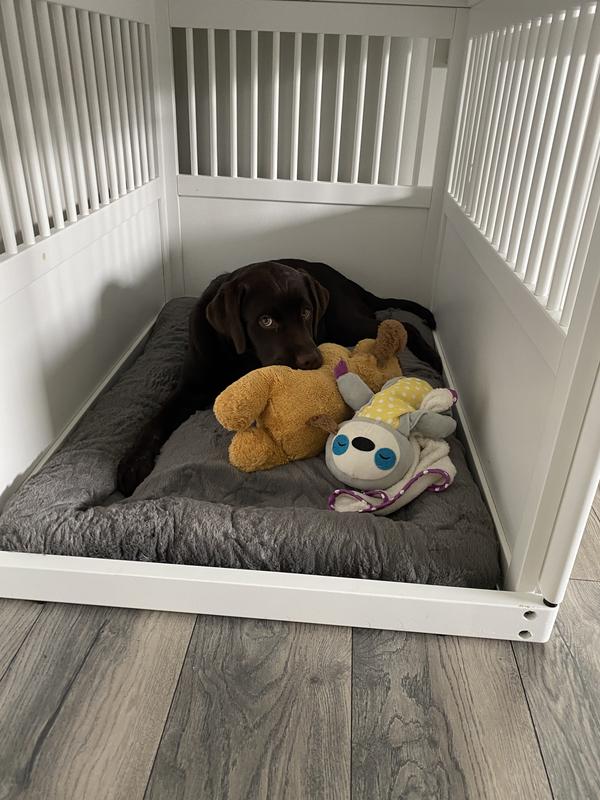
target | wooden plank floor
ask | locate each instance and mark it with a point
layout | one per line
(109, 703)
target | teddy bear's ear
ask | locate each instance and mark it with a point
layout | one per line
(223, 313)
(324, 422)
(391, 339)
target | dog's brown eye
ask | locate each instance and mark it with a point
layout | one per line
(306, 313)
(266, 322)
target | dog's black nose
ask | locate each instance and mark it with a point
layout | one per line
(362, 443)
(311, 360)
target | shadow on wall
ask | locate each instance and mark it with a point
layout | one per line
(62, 334)
(379, 247)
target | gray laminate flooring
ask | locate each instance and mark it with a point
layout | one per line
(110, 703)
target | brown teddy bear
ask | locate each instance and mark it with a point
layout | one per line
(276, 410)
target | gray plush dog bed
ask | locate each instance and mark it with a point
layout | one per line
(194, 508)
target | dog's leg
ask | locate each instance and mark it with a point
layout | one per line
(138, 462)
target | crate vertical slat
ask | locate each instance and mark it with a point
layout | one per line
(123, 105)
(134, 122)
(115, 112)
(212, 100)
(476, 92)
(40, 110)
(148, 105)
(407, 55)
(316, 115)
(297, 78)
(381, 100)
(588, 225)
(75, 135)
(417, 98)
(107, 123)
(7, 224)
(422, 117)
(275, 104)
(26, 131)
(233, 126)
(139, 99)
(474, 76)
(482, 76)
(253, 104)
(83, 114)
(574, 119)
(91, 80)
(460, 122)
(191, 97)
(360, 107)
(339, 107)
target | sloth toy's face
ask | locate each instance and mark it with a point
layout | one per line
(365, 454)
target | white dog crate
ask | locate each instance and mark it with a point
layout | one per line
(445, 153)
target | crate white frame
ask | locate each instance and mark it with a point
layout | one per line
(544, 558)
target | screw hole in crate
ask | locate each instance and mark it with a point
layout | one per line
(530, 615)
(525, 634)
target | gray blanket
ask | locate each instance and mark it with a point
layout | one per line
(194, 508)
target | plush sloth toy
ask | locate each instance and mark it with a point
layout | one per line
(394, 441)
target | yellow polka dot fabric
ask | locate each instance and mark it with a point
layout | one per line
(402, 397)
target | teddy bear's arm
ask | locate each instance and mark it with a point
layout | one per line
(242, 403)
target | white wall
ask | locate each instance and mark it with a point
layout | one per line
(379, 247)
(504, 383)
(61, 334)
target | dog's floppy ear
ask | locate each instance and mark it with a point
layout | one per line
(319, 297)
(224, 314)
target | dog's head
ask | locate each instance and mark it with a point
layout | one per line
(273, 311)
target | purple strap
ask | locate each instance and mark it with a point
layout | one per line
(387, 500)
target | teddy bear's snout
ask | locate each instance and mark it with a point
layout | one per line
(362, 443)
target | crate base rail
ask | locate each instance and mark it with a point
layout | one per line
(255, 594)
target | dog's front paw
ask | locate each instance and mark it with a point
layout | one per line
(133, 468)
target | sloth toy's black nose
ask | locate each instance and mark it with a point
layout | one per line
(362, 443)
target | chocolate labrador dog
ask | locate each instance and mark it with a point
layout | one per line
(274, 312)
